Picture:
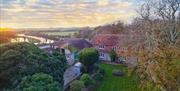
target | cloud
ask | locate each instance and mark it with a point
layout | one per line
(32, 1)
(102, 2)
(64, 13)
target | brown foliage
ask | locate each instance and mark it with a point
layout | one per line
(5, 36)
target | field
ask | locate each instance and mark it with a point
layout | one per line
(59, 33)
(112, 83)
(33, 40)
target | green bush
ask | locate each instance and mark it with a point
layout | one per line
(101, 71)
(86, 79)
(113, 56)
(77, 85)
(88, 57)
(38, 82)
(96, 67)
(98, 77)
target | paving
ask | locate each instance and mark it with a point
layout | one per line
(71, 74)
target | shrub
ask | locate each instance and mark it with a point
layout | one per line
(96, 67)
(98, 77)
(86, 79)
(113, 56)
(101, 71)
(77, 85)
(88, 57)
(38, 82)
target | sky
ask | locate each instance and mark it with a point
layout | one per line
(65, 13)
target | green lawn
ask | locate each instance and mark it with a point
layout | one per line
(113, 83)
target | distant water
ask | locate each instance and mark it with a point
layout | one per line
(24, 38)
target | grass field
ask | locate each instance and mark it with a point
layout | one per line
(59, 33)
(33, 40)
(113, 83)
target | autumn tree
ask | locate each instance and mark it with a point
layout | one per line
(117, 27)
(6, 35)
(158, 53)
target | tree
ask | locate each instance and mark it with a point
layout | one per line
(86, 79)
(6, 35)
(38, 82)
(117, 27)
(88, 57)
(76, 35)
(157, 52)
(18, 60)
(113, 55)
(114, 28)
(76, 85)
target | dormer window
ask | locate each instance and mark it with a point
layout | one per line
(124, 49)
(101, 47)
(115, 48)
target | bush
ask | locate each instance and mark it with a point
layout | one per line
(113, 56)
(86, 79)
(77, 85)
(38, 82)
(96, 67)
(98, 77)
(88, 57)
(101, 71)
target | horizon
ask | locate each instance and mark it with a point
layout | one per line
(65, 13)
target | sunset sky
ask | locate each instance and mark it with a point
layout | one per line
(64, 13)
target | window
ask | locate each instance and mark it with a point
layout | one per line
(115, 48)
(102, 54)
(101, 46)
(124, 49)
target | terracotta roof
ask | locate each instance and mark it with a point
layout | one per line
(105, 39)
(113, 39)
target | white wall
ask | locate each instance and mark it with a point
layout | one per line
(69, 56)
(104, 57)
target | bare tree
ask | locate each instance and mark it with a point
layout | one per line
(156, 55)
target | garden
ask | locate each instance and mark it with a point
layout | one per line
(115, 83)
(98, 76)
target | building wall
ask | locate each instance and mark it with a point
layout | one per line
(69, 56)
(104, 56)
(121, 51)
